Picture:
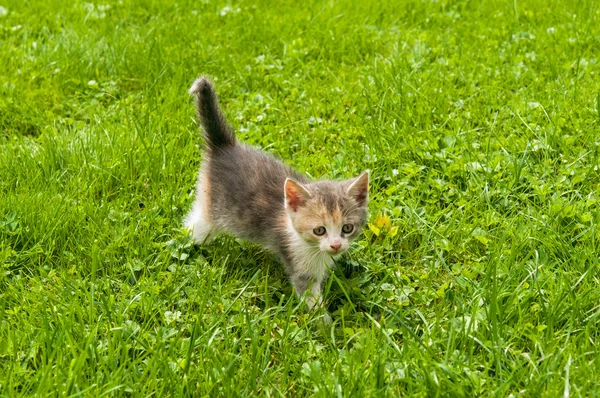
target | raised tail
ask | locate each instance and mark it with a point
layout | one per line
(217, 132)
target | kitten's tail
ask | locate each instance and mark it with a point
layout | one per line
(217, 132)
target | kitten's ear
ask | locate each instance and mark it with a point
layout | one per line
(359, 188)
(295, 194)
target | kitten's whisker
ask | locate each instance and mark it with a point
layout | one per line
(350, 209)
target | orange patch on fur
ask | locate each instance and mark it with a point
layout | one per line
(204, 186)
(307, 218)
(337, 216)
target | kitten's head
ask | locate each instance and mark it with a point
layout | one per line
(328, 214)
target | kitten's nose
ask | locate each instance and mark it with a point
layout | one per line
(336, 245)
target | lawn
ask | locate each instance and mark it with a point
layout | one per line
(478, 273)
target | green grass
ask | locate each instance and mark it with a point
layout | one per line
(479, 273)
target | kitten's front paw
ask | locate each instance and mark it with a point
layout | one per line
(326, 319)
(316, 305)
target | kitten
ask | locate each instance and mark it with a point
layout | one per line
(253, 195)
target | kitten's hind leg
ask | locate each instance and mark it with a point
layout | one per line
(196, 221)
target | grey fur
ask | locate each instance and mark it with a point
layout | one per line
(247, 192)
(217, 132)
(241, 190)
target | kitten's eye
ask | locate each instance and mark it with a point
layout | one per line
(319, 231)
(347, 228)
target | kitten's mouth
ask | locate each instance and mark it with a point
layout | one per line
(335, 252)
